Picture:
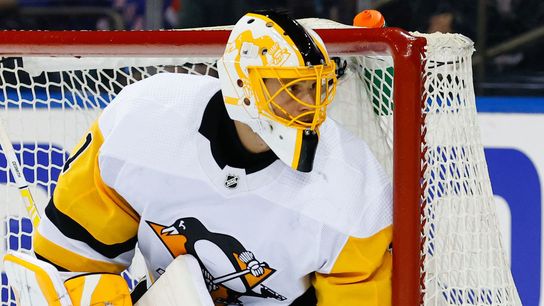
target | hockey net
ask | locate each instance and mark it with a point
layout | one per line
(410, 98)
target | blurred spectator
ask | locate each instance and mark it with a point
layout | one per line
(45, 14)
(505, 20)
(7, 7)
(202, 13)
(508, 19)
(133, 13)
(441, 22)
(13, 14)
(430, 16)
(7, 4)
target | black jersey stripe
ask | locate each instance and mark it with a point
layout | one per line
(71, 229)
(303, 41)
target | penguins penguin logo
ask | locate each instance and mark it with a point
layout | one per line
(230, 271)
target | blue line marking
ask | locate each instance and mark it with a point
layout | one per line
(510, 105)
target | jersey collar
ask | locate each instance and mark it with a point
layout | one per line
(230, 180)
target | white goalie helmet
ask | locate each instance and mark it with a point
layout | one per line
(270, 59)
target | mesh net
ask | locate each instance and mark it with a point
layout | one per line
(48, 104)
(464, 263)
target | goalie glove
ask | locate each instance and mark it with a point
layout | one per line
(38, 283)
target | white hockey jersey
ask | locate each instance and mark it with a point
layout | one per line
(145, 174)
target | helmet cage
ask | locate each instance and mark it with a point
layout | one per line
(324, 77)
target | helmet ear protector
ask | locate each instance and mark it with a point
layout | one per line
(271, 48)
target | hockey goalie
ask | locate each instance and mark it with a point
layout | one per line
(275, 202)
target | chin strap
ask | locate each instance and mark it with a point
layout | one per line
(306, 150)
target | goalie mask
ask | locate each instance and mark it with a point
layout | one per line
(277, 78)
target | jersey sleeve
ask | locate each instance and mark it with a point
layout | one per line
(357, 263)
(360, 275)
(87, 226)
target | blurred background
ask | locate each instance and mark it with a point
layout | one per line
(508, 79)
(508, 33)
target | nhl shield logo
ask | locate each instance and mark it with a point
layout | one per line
(231, 181)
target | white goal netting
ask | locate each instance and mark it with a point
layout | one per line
(48, 103)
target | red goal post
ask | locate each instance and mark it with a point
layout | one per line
(414, 194)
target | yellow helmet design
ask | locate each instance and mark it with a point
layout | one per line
(277, 77)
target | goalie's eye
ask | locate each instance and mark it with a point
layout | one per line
(299, 88)
(295, 88)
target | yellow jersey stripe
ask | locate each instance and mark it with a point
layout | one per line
(81, 187)
(73, 230)
(70, 260)
(362, 272)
